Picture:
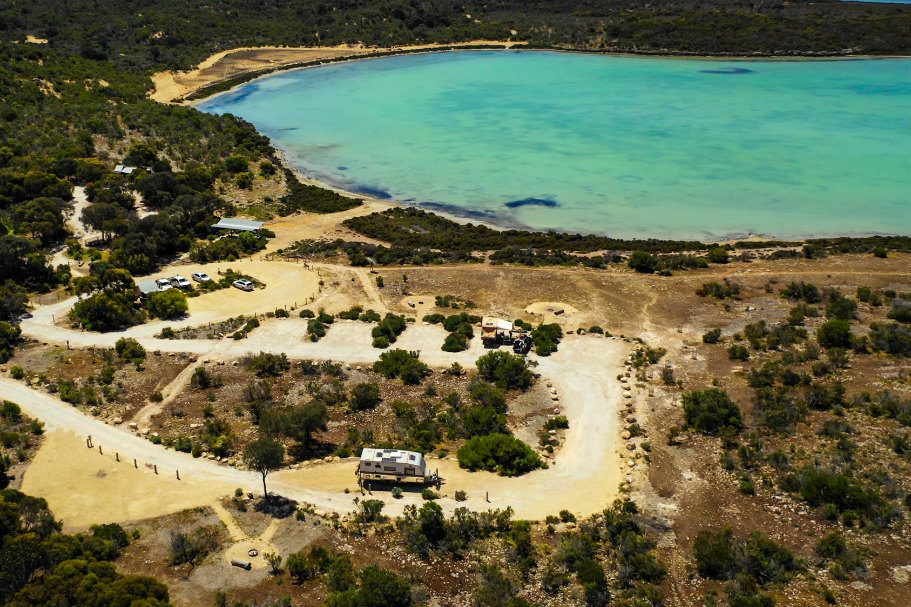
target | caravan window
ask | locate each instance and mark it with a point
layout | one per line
(409, 471)
(389, 468)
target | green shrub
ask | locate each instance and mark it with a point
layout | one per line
(351, 313)
(130, 350)
(508, 371)
(558, 422)
(316, 329)
(722, 556)
(365, 396)
(499, 453)
(390, 327)
(712, 337)
(17, 372)
(801, 290)
(834, 334)
(738, 352)
(710, 410)
(546, 338)
(893, 339)
(11, 412)
(402, 364)
(381, 342)
(429, 494)
(167, 304)
(306, 313)
(642, 262)
(269, 364)
(455, 342)
(9, 337)
(716, 290)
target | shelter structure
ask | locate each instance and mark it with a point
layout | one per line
(144, 287)
(122, 169)
(496, 330)
(238, 225)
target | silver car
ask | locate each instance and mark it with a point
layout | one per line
(201, 277)
(243, 284)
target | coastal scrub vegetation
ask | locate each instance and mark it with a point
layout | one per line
(110, 31)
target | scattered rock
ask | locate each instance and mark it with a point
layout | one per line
(145, 431)
(901, 574)
(625, 435)
(276, 506)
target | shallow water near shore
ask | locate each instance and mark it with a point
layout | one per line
(618, 145)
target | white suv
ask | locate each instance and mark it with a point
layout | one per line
(243, 284)
(181, 282)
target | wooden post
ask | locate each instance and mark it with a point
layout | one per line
(99, 450)
(487, 496)
(117, 455)
(178, 475)
(135, 463)
(156, 468)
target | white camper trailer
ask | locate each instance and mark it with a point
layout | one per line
(394, 465)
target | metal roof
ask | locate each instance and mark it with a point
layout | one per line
(390, 455)
(147, 286)
(244, 225)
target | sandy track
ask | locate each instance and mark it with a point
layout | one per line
(76, 480)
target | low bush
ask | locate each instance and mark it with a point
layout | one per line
(712, 337)
(506, 455)
(507, 371)
(546, 338)
(365, 396)
(269, 364)
(716, 290)
(390, 327)
(403, 365)
(722, 556)
(708, 411)
(738, 352)
(316, 329)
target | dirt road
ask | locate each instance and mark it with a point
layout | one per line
(583, 479)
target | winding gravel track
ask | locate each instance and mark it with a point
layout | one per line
(584, 480)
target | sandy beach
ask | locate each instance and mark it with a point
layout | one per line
(172, 86)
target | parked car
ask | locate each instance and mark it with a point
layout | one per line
(243, 284)
(163, 284)
(201, 277)
(180, 282)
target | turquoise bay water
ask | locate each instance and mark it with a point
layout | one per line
(625, 146)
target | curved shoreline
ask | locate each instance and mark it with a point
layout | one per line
(245, 76)
(188, 94)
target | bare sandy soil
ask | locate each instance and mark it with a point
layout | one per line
(224, 65)
(682, 487)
